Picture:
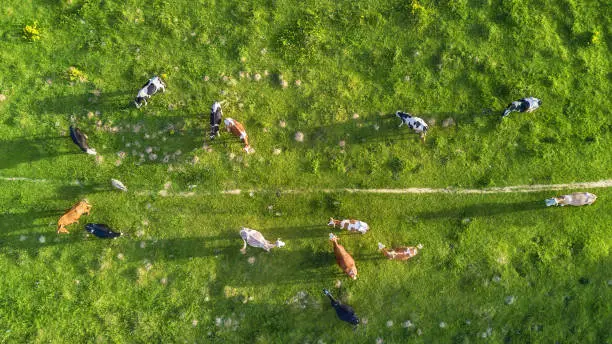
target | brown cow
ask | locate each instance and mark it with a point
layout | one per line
(400, 253)
(72, 215)
(344, 260)
(237, 129)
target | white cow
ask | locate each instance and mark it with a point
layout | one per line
(350, 225)
(415, 123)
(575, 199)
(150, 88)
(256, 239)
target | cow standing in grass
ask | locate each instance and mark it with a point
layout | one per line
(523, 105)
(344, 312)
(576, 199)
(343, 258)
(215, 119)
(256, 239)
(399, 253)
(80, 140)
(150, 88)
(237, 129)
(350, 225)
(72, 215)
(415, 123)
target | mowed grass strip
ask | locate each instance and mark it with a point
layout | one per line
(503, 267)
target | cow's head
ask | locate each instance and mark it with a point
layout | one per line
(551, 201)
(279, 243)
(138, 101)
(83, 204)
(332, 222)
(353, 273)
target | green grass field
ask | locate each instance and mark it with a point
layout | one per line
(494, 268)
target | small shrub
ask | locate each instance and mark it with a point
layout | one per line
(76, 75)
(31, 32)
(397, 166)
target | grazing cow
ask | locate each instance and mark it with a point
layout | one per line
(237, 129)
(400, 253)
(101, 231)
(150, 88)
(415, 123)
(72, 215)
(256, 239)
(523, 105)
(575, 199)
(344, 260)
(344, 312)
(118, 185)
(350, 225)
(215, 119)
(80, 140)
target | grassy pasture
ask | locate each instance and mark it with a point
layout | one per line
(500, 268)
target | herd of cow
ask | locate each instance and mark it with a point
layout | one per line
(254, 238)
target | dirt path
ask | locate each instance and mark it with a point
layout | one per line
(506, 189)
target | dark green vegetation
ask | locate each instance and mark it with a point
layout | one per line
(82, 62)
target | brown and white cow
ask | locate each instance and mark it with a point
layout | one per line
(256, 239)
(72, 215)
(343, 258)
(350, 225)
(575, 199)
(400, 253)
(237, 129)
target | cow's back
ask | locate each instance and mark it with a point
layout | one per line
(580, 198)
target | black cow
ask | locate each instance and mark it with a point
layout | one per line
(523, 105)
(344, 312)
(80, 140)
(101, 231)
(150, 88)
(215, 119)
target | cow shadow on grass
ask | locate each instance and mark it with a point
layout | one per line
(33, 219)
(151, 140)
(482, 209)
(373, 129)
(132, 247)
(280, 266)
(74, 192)
(294, 232)
(26, 150)
(75, 103)
(386, 129)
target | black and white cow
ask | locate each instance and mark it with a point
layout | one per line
(415, 123)
(215, 119)
(523, 105)
(150, 88)
(80, 140)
